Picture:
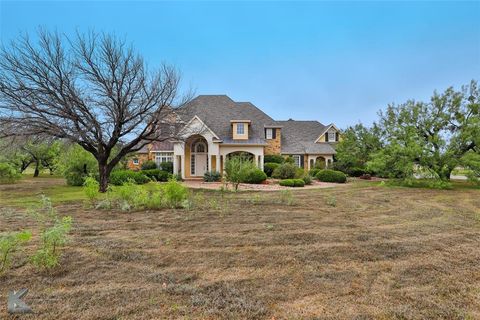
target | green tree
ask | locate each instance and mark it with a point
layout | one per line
(357, 144)
(433, 136)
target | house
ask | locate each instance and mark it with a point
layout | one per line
(214, 127)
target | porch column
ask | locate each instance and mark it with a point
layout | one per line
(182, 165)
(175, 164)
(209, 167)
(261, 162)
(217, 163)
(326, 162)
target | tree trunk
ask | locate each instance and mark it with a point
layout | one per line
(104, 174)
(37, 171)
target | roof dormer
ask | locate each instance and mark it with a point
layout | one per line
(240, 129)
(330, 134)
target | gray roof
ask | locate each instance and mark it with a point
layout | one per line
(216, 111)
(298, 137)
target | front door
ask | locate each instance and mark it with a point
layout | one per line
(200, 164)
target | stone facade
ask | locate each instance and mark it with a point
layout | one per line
(274, 145)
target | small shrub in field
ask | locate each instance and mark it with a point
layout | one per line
(254, 176)
(331, 176)
(212, 176)
(9, 245)
(273, 158)
(91, 186)
(332, 201)
(8, 174)
(53, 239)
(299, 173)
(269, 167)
(53, 233)
(285, 171)
(119, 177)
(156, 174)
(149, 165)
(166, 166)
(307, 179)
(175, 193)
(313, 172)
(131, 195)
(176, 177)
(286, 197)
(236, 170)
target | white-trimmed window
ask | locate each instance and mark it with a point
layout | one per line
(331, 135)
(297, 160)
(240, 128)
(135, 161)
(163, 157)
(269, 133)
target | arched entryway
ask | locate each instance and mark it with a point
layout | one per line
(320, 162)
(243, 154)
(198, 156)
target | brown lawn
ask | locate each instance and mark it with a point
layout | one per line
(356, 252)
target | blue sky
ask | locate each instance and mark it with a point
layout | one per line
(331, 61)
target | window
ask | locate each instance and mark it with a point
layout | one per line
(269, 133)
(297, 160)
(135, 161)
(240, 128)
(200, 147)
(192, 164)
(331, 135)
(163, 157)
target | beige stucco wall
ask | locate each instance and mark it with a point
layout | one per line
(240, 136)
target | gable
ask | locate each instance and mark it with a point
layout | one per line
(324, 135)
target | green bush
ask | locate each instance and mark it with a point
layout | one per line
(307, 179)
(76, 165)
(175, 194)
(273, 158)
(8, 174)
(331, 176)
(212, 176)
(313, 172)
(167, 166)
(268, 168)
(285, 171)
(119, 177)
(356, 172)
(149, 165)
(289, 159)
(299, 173)
(91, 187)
(292, 183)
(254, 176)
(156, 174)
(9, 245)
(236, 170)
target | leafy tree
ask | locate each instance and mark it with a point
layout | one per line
(433, 136)
(357, 144)
(76, 164)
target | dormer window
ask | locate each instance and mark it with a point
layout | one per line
(331, 135)
(240, 128)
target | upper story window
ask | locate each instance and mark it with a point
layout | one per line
(240, 128)
(331, 135)
(269, 133)
(135, 161)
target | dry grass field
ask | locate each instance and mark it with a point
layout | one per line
(358, 252)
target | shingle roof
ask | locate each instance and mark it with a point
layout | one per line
(216, 111)
(299, 137)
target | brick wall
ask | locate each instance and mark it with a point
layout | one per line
(274, 145)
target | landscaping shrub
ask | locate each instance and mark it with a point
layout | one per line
(254, 176)
(76, 165)
(313, 172)
(119, 177)
(355, 172)
(269, 167)
(177, 177)
(289, 159)
(212, 176)
(175, 194)
(156, 174)
(285, 171)
(273, 158)
(167, 166)
(8, 174)
(331, 176)
(9, 245)
(237, 169)
(299, 173)
(149, 165)
(292, 183)
(307, 179)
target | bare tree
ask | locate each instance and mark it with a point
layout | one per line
(94, 90)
